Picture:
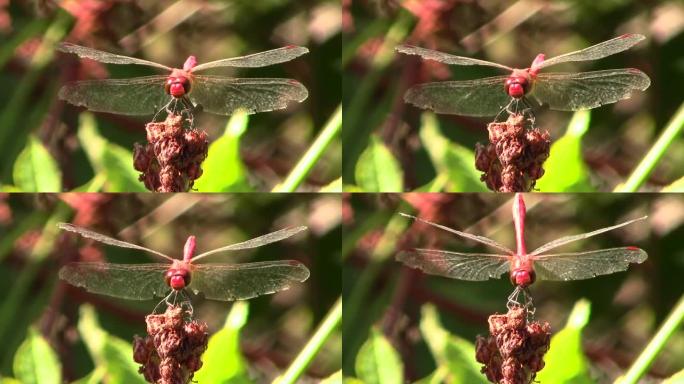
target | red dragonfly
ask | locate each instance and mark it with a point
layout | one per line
(561, 91)
(220, 95)
(224, 282)
(522, 266)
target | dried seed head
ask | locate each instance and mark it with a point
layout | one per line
(171, 161)
(512, 160)
(514, 351)
(171, 352)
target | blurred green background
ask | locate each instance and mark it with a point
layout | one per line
(276, 327)
(74, 150)
(431, 322)
(390, 146)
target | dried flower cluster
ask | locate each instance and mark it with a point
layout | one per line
(514, 351)
(513, 159)
(171, 352)
(171, 161)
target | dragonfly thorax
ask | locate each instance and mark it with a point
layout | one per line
(177, 278)
(517, 84)
(522, 277)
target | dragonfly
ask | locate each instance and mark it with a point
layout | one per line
(523, 267)
(219, 95)
(561, 91)
(224, 282)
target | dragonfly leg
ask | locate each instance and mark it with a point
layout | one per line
(521, 298)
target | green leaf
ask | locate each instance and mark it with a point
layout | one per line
(35, 170)
(111, 162)
(377, 362)
(565, 169)
(676, 186)
(111, 354)
(565, 360)
(450, 351)
(454, 161)
(335, 378)
(223, 168)
(377, 170)
(677, 378)
(36, 362)
(334, 186)
(223, 362)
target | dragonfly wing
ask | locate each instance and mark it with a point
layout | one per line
(126, 281)
(245, 281)
(479, 239)
(569, 239)
(261, 59)
(136, 96)
(585, 265)
(106, 57)
(256, 242)
(598, 51)
(87, 233)
(224, 96)
(446, 58)
(481, 97)
(456, 265)
(587, 90)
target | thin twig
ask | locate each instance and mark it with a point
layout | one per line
(306, 163)
(306, 356)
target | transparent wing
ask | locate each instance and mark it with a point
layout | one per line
(598, 51)
(244, 281)
(261, 59)
(456, 265)
(569, 239)
(136, 96)
(106, 57)
(223, 95)
(585, 265)
(479, 239)
(87, 233)
(586, 90)
(446, 58)
(255, 242)
(481, 97)
(126, 281)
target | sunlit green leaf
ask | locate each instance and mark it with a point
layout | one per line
(35, 170)
(110, 161)
(450, 351)
(335, 378)
(334, 186)
(377, 170)
(454, 161)
(113, 355)
(223, 170)
(565, 360)
(35, 362)
(223, 361)
(377, 362)
(676, 186)
(565, 169)
(677, 378)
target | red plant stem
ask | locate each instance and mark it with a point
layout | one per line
(519, 222)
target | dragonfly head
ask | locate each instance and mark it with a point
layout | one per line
(523, 277)
(177, 85)
(517, 84)
(177, 278)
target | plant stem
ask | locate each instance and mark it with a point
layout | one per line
(648, 355)
(331, 322)
(648, 163)
(330, 131)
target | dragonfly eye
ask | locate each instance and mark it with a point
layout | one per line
(177, 86)
(177, 278)
(516, 86)
(522, 277)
